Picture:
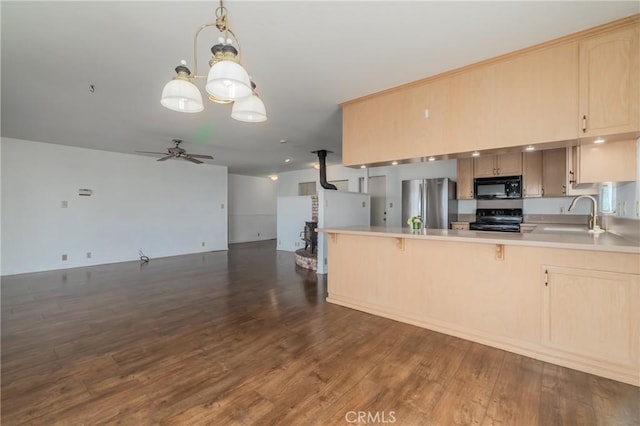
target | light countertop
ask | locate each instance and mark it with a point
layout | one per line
(568, 239)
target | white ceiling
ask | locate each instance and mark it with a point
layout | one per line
(306, 57)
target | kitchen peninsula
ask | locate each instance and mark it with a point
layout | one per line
(568, 298)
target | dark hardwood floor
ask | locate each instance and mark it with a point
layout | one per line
(245, 337)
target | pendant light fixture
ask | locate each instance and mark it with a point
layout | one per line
(250, 109)
(227, 80)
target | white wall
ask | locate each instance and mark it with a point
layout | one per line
(337, 208)
(252, 208)
(288, 181)
(163, 209)
(293, 212)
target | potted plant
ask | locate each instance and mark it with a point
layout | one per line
(415, 222)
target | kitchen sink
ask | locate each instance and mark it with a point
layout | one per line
(564, 229)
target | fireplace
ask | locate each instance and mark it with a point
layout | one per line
(310, 236)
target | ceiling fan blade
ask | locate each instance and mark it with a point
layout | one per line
(164, 158)
(201, 156)
(151, 152)
(193, 160)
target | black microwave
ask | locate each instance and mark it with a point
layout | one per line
(494, 188)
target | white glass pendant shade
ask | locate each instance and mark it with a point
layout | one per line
(250, 109)
(227, 80)
(182, 96)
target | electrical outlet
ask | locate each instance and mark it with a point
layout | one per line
(638, 208)
(203, 244)
(258, 234)
(64, 257)
(64, 204)
(222, 206)
(88, 255)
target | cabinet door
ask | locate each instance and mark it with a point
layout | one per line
(485, 166)
(609, 83)
(575, 185)
(592, 314)
(410, 122)
(608, 162)
(554, 172)
(464, 186)
(532, 174)
(471, 112)
(370, 129)
(509, 164)
(537, 96)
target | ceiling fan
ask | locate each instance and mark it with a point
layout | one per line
(177, 152)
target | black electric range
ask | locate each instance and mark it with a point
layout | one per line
(502, 220)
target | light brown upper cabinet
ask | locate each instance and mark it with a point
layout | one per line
(405, 123)
(608, 162)
(464, 186)
(472, 124)
(610, 83)
(554, 172)
(498, 165)
(532, 174)
(536, 96)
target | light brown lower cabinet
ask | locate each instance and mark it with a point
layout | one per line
(588, 313)
(583, 313)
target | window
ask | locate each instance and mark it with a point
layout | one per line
(607, 198)
(307, 188)
(342, 185)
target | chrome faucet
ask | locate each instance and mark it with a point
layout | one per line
(593, 222)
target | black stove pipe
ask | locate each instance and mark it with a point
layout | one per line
(322, 156)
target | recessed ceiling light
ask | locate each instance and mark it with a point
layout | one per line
(394, 163)
(475, 154)
(287, 160)
(283, 141)
(599, 140)
(431, 158)
(316, 165)
(530, 148)
(273, 177)
(363, 166)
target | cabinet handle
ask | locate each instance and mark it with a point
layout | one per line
(570, 178)
(584, 124)
(542, 192)
(564, 190)
(498, 169)
(495, 171)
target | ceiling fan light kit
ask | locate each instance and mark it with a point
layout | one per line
(227, 80)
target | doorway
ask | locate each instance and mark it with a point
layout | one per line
(378, 192)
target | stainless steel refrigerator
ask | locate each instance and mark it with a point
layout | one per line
(432, 199)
